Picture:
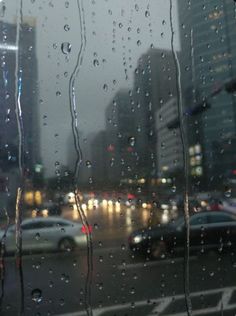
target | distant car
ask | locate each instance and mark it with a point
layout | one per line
(47, 234)
(208, 231)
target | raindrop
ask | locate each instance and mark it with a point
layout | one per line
(66, 48)
(147, 14)
(37, 236)
(66, 27)
(132, 141)
(96, 62)
(58, 93)
(36, 295)
(123, 247)
(132, 291)
(105, 87)
(227, 193)
(173, 189)
(88, 164)
(139, 43)
(61, 302)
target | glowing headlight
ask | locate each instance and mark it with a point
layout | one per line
(137, 239)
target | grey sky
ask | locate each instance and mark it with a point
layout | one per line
(133, 30)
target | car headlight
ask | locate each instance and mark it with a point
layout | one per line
(137, 239)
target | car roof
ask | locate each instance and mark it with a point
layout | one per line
(48, 219)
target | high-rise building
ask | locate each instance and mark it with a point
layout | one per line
(26, 87)
(122, 140)
(169, 146)
(155, 85)
(26, 90)
(208, 58)
(100, 152)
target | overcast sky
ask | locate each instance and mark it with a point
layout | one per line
(114, 29)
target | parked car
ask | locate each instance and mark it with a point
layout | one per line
(208, 231)
(47, 234)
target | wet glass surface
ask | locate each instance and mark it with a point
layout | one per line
(117, 157)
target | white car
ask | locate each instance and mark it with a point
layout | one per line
(49, 234)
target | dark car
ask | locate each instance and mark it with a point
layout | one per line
(208, 231)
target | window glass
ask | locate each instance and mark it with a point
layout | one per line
(218, 218)
(198, 219)
(117, 146)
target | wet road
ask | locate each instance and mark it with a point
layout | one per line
(55, 284)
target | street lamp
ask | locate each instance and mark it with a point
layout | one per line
(229, 86)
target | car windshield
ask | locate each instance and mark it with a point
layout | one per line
(117, 157)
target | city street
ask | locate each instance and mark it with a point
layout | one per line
(55, 283)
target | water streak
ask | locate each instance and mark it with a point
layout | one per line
(74, 117)
(2, 258)
(185, 165)
(18, 110)
(18, 230)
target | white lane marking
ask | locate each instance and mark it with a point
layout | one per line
(162, 303)
(152, 263)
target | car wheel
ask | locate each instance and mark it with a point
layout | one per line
(66, 244)
(158, 249)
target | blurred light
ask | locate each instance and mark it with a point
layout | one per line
(86, 229)
(165, 218)
(137, 239)
(163, 180)
(164, 206)
(84, 207)
(104, 203)
(95, 203)
(29, 197)
(38, 197)
(8, 47)
(110, 203)
(203, 203)
(117, 206)
(34, 213)
(144, 205)
(45, 213)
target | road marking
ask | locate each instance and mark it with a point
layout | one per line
(153, 263)
(162, 303)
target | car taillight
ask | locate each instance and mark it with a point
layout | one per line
(86, 229)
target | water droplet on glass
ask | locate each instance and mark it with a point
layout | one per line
(36, 295)
(66, 27)
(105, 87)
(66, 48)
(37, 236)
(58, 93)
(227, 193)
(132, 141)
(96, 62)
(61, 302)
(88, 164)
(139, 43)
(147, 14)
(173, 189)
